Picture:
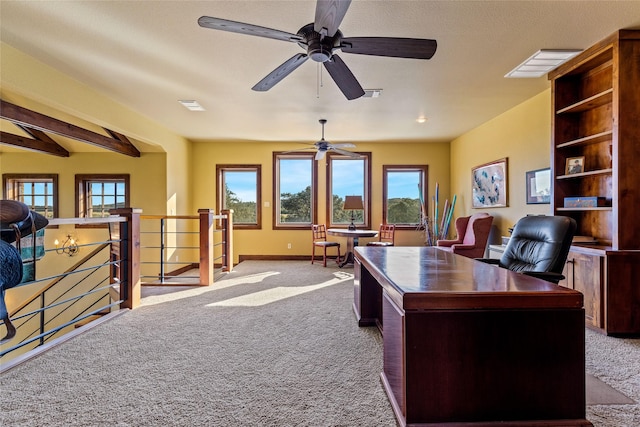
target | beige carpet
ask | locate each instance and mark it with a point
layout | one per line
(616, 363)
(271, 344)
(600, 393)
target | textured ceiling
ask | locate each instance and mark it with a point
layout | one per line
(149, 54)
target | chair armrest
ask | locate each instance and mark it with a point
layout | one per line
(461, 246)
(448, 242)
(548, 276)
(488, 260)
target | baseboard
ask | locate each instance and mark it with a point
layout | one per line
(182, 270)
(274, 258)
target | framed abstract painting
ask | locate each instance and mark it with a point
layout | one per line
(489, 185)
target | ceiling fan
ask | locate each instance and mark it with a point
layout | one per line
(320, 39)
(323, 146)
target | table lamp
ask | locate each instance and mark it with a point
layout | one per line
(352, 203)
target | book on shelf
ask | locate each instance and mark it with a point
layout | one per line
(584, 202)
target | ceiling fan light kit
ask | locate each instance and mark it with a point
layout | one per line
(321, 39)
(323, 146)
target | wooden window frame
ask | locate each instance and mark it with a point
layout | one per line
(423, 169)
(9, 180)
(220, 169)
(366, 200)
(276, 224)
(81, 182)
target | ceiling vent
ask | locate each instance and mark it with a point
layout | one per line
(372, 93)
(192, 105)
(541, 62)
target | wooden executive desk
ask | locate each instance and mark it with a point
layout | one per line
(470, 343)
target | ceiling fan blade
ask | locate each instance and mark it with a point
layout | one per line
(249, 29)
(345, 145)
(343, 77)
(346, 153)
(397, 47)
(320, 154)
(329, 15)
(281, 72)
(299, 151)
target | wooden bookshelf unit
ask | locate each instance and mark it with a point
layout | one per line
(596, 114)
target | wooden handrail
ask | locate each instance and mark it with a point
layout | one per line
(169, 216)
(84, 221)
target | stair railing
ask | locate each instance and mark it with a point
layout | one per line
(62, 300)
(185, 249)
(108, 278)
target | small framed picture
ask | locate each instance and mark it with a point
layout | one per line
(575, 165)
(538, 186)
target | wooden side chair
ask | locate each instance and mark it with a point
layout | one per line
(386, 236)
(320, 240)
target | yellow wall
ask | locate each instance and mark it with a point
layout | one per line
(521, 134)
(183, 180)
(36, 86)
(274, 242)
(147, 173)
(158, 183)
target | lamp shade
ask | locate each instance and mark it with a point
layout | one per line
(353, 203)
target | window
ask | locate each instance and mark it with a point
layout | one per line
(239, 189)
(96, 195)
(38, 191)
(404, 191)
(348, 176)
(295, 190)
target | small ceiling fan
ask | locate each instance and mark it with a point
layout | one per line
(323, 146)
(320, 39)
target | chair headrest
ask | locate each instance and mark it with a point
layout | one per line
(539, 243)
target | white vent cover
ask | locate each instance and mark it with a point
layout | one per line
(372, 93)
(541, 62)
(192, 105)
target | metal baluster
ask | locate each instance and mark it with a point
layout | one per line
(162, 247)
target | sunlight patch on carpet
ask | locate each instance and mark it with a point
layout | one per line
(221, 284)
(269, 296)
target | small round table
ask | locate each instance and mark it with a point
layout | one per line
(352, 240)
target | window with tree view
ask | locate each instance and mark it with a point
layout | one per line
(98, 194)
(404, 188)
(239, 189)
(38, 191)
(295, 190)
(348, 176)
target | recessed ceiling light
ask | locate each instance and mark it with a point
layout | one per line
(541, 62)
(421, 119)
(192, 105)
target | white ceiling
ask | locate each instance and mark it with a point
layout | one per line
(149, 54)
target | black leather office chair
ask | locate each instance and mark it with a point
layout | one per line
(538, 246)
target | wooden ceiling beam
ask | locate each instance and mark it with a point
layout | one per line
(120, 137)
(36, 144)
(33, 120)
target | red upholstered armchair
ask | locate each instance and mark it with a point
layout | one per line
(473, 233)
